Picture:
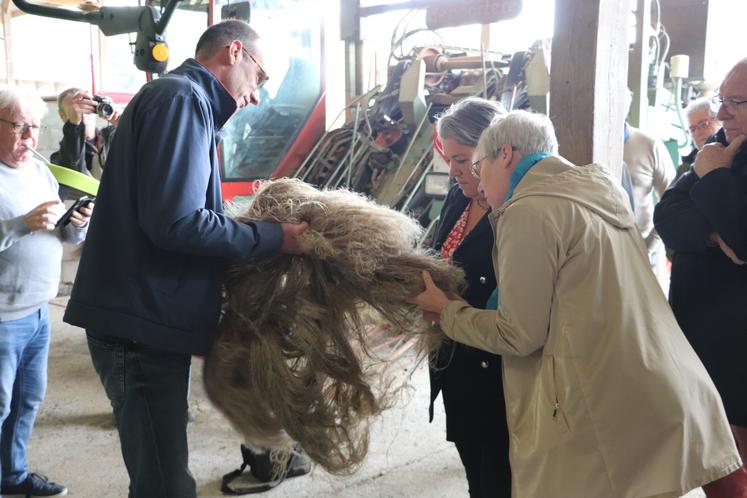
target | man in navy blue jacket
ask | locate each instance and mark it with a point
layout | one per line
(149, 281)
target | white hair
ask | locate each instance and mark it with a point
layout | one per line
(702, 104)
(16, 97)
(527, 132)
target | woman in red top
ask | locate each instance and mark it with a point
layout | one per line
(470, 379)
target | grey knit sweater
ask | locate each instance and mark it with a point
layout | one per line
(29, 262)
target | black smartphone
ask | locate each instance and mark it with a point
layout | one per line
(77, 205)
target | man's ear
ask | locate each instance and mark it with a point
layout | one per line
(234, 51)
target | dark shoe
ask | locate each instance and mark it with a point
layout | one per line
(263, 472)
(263, 469)
(35, 485)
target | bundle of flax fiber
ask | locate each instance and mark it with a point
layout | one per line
(290, 359)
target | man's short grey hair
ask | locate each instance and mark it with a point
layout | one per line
(16, 97)
(702, 104)
(527, 132)
(465, 121)
(219, 36)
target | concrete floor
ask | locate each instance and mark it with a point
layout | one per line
(75, 442)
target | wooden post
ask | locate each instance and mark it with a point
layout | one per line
(638, 65)
(587, 80)
(350, 32)
(484, 46)
(9, 77)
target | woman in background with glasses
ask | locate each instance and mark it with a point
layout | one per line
(702, 124)
(470, 379)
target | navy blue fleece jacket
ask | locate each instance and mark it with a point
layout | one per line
(158, 244)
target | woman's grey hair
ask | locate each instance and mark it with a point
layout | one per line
(527, 132)
(465, 121)
(221, 35)
(18, 96)
(702, 104)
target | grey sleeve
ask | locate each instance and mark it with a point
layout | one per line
(11, 231)
(72, 234)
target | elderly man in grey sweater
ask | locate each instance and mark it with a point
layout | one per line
(30, 255)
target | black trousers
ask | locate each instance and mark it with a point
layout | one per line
(487, 467)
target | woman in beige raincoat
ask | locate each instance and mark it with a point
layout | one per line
(604, 396)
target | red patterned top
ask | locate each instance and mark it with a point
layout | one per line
(456, 235)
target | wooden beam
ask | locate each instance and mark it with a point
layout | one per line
(7, 42)
(350, 32)
(588, 78)
(100, 58)
(638, 65)
(484, 47)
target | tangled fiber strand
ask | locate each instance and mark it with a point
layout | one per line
(290, 361)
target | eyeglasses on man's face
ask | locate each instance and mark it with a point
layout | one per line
(701, 125)
(262, 76)
(22, 128)
(731, 105)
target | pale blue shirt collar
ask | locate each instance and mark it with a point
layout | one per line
(525, 164)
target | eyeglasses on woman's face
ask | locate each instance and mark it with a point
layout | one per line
(702, 125)
(475, 167)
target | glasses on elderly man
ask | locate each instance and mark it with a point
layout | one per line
(730, 104)
(21, 128)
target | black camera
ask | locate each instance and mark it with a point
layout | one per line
(104, 108)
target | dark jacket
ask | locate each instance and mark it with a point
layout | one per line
(153, 262)
(689, 160)
(76, 152)
(687, 163)
(468, 378)
(708, 292)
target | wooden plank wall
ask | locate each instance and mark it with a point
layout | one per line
(589, 76)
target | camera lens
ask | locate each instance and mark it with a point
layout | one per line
(104, 110)
(104, 107)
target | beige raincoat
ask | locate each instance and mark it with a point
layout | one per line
(605, 397)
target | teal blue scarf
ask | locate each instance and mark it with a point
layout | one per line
(522, 169)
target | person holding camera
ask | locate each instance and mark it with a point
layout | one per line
(84, 147)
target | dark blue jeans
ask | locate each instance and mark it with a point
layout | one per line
(148, 390)
(24, 346)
